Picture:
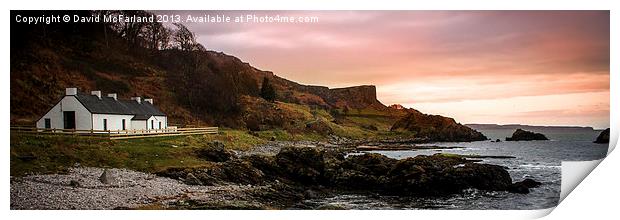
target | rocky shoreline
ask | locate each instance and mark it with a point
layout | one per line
(274, 176)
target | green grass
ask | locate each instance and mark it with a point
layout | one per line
(51, 154)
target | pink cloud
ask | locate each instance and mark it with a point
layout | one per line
(429, 56)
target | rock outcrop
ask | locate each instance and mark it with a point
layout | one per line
(603, 138)
(524, 186)
(523, 135)
(436, 128)
(355, 97)
(309, 168)
(215, 151)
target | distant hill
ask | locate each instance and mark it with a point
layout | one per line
(529, 127)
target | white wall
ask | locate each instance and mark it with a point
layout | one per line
(138, 125)
(68, 103)
(157, 119)
(153, 120)
(114, 122)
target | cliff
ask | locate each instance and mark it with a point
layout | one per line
(355, 97)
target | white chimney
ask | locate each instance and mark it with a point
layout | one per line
(149, 101)
(97, 93)
(112, 95)
(137, 99)
(71, 91)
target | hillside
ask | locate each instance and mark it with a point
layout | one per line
(192, 85)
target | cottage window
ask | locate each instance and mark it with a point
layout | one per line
(160, 125)
(152, 124)
(105, 124)
(123, 125)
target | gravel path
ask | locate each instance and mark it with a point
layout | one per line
(82, 189)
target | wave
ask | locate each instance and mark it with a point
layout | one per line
(540, 166)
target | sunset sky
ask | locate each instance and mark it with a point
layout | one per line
(527, 67)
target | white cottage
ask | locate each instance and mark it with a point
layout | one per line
(104, 113)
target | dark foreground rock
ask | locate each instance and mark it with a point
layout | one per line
(603, 138)
(523, 135)
(436, 128)
(298, 173)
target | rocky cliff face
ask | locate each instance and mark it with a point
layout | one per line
(355, 97)
(436, 128)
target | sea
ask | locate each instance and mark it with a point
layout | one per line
(538, 160)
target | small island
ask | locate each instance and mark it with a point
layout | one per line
(523, 135)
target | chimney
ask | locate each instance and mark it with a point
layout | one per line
(149, 101)
(97, 93)
(112, 95)
(71, 91)
(137, 99)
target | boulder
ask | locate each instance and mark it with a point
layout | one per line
(603, 138)
(107, 177)
(215, 151)
(523, 135)
(303, 164)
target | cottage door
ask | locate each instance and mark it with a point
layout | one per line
(68, 119)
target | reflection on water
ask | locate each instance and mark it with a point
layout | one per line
(539, 160)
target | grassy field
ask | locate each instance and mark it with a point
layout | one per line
(51, 154)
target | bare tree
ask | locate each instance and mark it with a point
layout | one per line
(184, 39)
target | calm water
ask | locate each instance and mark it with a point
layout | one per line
(539, 160)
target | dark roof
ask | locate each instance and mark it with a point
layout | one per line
(141, 117)
(108, 105)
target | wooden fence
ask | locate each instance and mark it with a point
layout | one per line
(118, 134)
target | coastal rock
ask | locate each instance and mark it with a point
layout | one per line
(216, 152)
(240, 171)
(361, 171)
(524, 186)
(267, 164)
(436, 128)
(304, 164)
(438, 175)
(298, 169)
(523, 135)
(603, 138)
